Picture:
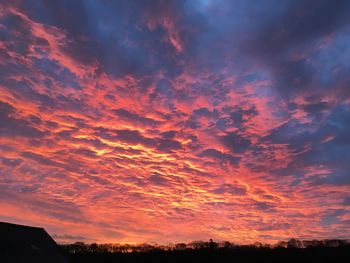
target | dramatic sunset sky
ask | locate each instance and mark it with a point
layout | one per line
(173, 121)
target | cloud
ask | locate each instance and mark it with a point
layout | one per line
(168, 145)
(66, 237)
(158, 179)
(346, 201)
(231, 189)
(127, 136)
(134, 118)
(301, 23)
(15, 126)
(235, 142)
(11, 162)
(41, 159)
(286, 43)
(331, 216)
(217, 155)
(168, 134)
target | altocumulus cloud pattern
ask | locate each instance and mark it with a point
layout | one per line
(165, 121)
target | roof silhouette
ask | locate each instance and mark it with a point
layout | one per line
(20, 243)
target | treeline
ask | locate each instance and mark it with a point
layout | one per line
(80, 247)
(293, 250)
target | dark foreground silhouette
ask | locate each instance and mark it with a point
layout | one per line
(24, 244)
(292, 251)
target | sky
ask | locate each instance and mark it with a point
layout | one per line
(173, 121)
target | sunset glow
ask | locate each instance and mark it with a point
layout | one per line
(174, 121)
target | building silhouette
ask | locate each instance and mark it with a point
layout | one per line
(24, 244)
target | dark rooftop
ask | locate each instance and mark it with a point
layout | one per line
(20, 243)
